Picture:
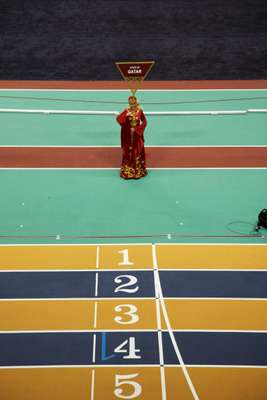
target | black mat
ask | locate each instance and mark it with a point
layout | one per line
(81, 39)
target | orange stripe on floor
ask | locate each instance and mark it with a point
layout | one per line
(75, 257)
(218, 383)
(217, 314)
(212, 256)
(46, 315)
(133, 313)
(45, 383)
(47, 257)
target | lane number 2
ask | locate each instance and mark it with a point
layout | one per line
(132, 280)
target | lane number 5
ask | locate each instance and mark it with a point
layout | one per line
(122, 380)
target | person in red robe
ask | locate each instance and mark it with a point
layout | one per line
(133, 122)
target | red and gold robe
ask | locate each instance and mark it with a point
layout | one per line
(133, 150)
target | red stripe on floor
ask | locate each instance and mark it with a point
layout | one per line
(113, 85)
(108, 157)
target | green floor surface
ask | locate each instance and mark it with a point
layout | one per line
(71, 130)
(98, 202)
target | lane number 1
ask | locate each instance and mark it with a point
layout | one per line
(125, 256)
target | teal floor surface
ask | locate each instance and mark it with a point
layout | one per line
(97, 202)
(71, 130)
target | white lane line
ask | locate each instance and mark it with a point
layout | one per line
(147, 147)
(249, 269)
(74, 244)
(75, 112)
(133, 366)
(97, 257)
(49, 299)
(170, 331)
(113, 112)
(96, 284)
(210, 244)
(94, 349)
(136, 330)
(93, 385)
(95, 314)
(160, 342)
(176, 89)
(118, 168)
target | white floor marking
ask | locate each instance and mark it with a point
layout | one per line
(133, 366)
(127, 90)
(94, 349)
(96, 284)
(118, 168)
(148, 146)
(134, 330)
(95, 314)
(135, 299)
(97, 257)
(160, 342)
(75, 244)
(170, 331)
(93, 385)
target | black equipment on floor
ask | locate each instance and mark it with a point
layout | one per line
(262, 220)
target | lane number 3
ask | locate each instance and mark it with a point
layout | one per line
(131, 313)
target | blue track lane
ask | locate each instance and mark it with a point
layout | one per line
(225, 284)
(197, 348)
